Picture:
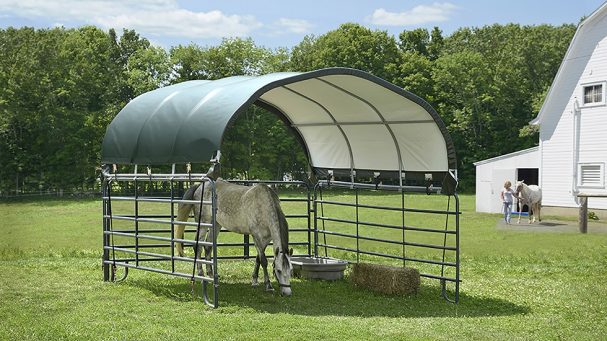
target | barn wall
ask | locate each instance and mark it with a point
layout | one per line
(565, 143)
(491, 174)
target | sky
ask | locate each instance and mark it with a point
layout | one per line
(282, 23)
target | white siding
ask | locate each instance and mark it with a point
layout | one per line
(556, 171)
(586, 62)
(491, 174)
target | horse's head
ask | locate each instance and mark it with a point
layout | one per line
(519, 186)
(283, 269)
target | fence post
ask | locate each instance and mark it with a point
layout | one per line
(583, 217)
(247, 244)
(106, 237)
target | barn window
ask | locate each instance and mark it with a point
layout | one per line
(591, 175)
(594, 94)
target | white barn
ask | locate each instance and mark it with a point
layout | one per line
(492, 173)
(573, 118)
(572, 152)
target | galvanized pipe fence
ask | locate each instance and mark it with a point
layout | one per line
(442, 265)
(144, 239)
(139, 247)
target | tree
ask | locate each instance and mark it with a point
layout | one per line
(415, 75)
(415, 41)
(435, 46)
(233, 57)
(61, 88)
(257, 144)
(487, 81)
(351, 45)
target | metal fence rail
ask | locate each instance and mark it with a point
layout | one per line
(144, 237)
(132, 240)
(130, 245)
(321, 231)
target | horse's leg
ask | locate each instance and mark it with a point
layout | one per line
(518, 221)
(539, 210)
(519, 209)
(183, 213)
(531, 212)
(255, 276)
(198, 249)
(264, 264)
(208, 250)
(263, 261)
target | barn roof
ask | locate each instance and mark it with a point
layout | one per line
(588, 34)
(507, 156)
(346, 120)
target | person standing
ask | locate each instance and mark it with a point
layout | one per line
(507, 195)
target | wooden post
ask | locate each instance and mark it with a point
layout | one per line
(583, 218)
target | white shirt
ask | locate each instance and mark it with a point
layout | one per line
(508, 195)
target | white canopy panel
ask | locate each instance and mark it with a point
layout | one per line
(355, 123)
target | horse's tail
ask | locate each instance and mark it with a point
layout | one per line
(183, 214)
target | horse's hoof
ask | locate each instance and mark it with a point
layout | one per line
(254, 283)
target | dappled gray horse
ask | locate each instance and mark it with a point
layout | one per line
(246, 210)
(532, 196)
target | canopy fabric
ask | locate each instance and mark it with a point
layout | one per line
(346, 119)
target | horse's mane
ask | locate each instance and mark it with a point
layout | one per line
(283, 227)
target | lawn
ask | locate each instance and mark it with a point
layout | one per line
(515, 285)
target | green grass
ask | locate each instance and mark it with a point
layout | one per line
(516, 285)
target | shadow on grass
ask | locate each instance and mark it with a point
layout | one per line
(339, 298)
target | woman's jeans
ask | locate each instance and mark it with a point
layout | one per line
(507, 211)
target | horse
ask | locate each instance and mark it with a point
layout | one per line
(246, 210)
(532, 196)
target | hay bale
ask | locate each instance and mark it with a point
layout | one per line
(386, 279)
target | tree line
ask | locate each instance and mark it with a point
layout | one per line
(60, 88)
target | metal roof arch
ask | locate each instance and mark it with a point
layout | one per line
(364, 124)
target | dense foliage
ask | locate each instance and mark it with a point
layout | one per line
(60, 88)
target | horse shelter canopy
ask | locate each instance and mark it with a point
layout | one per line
(347, 120)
